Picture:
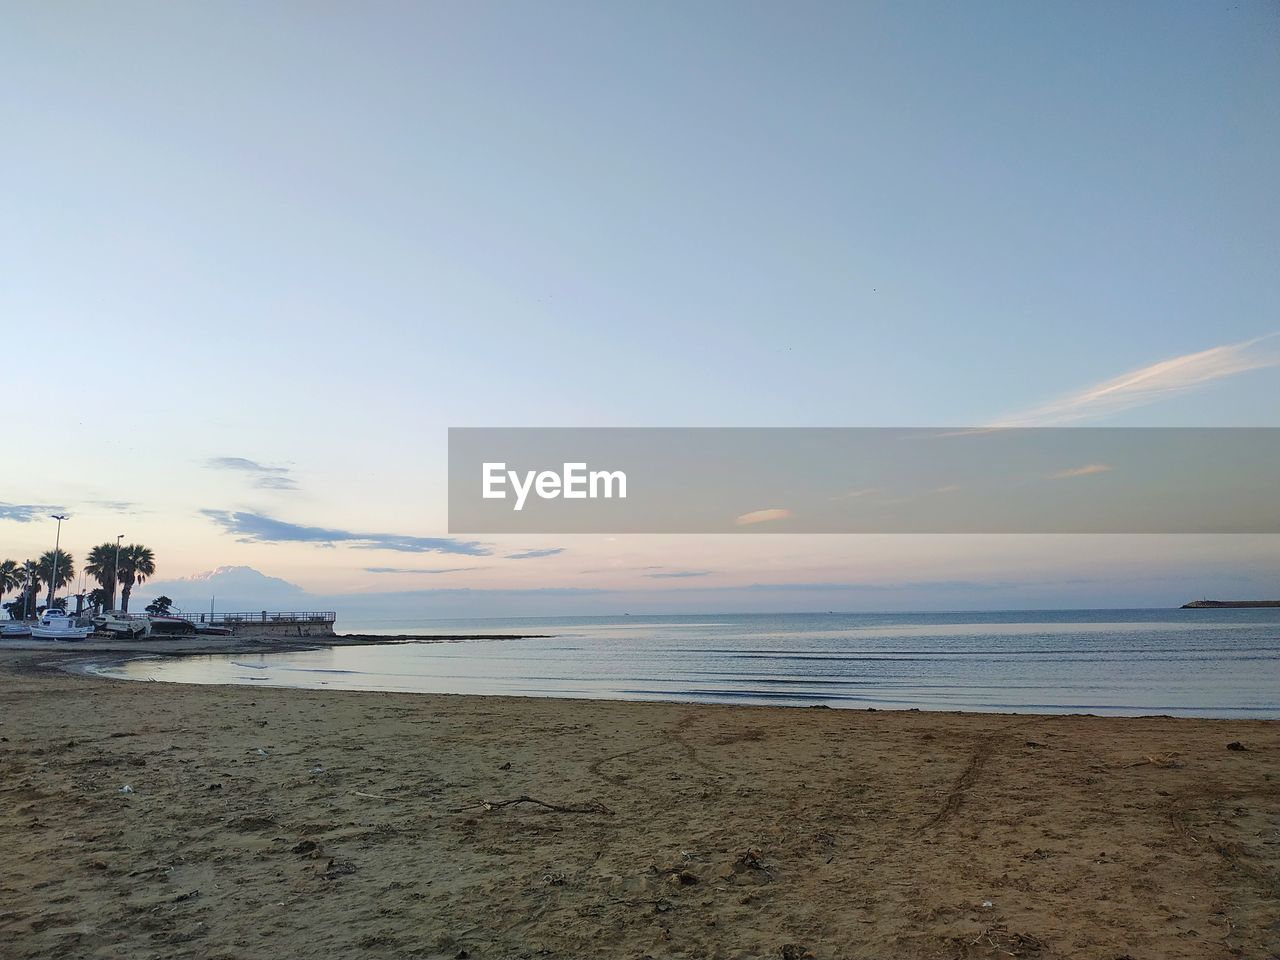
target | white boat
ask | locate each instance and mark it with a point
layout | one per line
(54, 624)
(15, 628)
(122, 624)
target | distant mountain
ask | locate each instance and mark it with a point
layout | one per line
(232, 588)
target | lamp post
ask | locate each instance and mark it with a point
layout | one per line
(57, 539)
(27, 590)
(115, 571)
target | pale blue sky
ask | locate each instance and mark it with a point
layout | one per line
(316, 235)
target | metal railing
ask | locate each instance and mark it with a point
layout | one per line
(259, 616)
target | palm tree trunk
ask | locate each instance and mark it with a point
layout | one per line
(124, 596)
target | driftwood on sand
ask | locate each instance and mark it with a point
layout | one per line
(591, 806)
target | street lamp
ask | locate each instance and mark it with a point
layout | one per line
(115, 571)
(28, 589)
(57, 539)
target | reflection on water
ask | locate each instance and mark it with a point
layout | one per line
(1223, 663)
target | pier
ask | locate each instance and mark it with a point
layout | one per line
(268, 623)
(1228, 604)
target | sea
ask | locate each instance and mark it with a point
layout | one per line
(1192, 663)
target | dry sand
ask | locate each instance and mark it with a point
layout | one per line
(277, 824)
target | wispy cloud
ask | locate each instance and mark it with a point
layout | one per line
(116, 506)
(853, 494)
(762, 516)
(678, 574)
(240, 463)
(27, 512)
(256, 528)
(1087, 470)
(263, 476)
(877, 587)
(1151, 383)
(422, 569)
(622, 569)
(535, 554)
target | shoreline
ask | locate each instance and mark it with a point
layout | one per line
(208, 645)
(92, 659)
(71, 653)
(82, 667)
(78, 658)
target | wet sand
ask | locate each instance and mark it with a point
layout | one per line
(264, 823)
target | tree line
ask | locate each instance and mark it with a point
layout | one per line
(56, 569)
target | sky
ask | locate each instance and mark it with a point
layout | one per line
(258, 258)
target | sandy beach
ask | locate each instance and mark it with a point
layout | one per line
(267, 823)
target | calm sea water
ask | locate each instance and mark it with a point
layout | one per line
(1210, 663)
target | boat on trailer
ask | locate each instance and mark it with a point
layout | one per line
(15, 628)
(118, 624)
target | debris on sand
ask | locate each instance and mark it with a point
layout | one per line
(339, 868)
(306, 848)
(591, 806)
(682, 878)
(1236, 745)
(749, 864)
(998, 940)
(1165, 761)
(794, 951)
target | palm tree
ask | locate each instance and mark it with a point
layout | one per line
(11, 577)
(44, 571)
(101, 565)
(136, 564)
(30, 588)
